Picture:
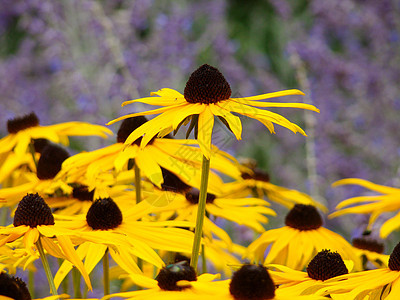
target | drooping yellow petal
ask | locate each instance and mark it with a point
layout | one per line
(149, 167)
(70, 253)
(205, 127)
(234, 122)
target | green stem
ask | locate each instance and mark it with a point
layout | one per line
(31, 283)
(203, 259)
(137, 184)
(46, 267)
(205, 170)
(106, 273)
(76, 278)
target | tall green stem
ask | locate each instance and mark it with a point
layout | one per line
(31, 283)
(137, 184)
(205, 170)
(65, 282)
(203, 259)
(106, 273)
(46, 267)
(76, 279)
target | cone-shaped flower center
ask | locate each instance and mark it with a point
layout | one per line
(32, 211)
(207, 85)
(258, 174)
(171, 274)
(326, 265)
(21, 123)
(13, 287)
(82, 193)
(104, 214)
(128, 126)
(193, 196)
(370, 244)
(173, 183)
(394, 259)
(252, 282)
(303, 217)
(40, 144)
(50, 161)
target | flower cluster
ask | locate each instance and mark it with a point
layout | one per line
(149, 205)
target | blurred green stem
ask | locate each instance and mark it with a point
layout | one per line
(205, 169)
(46, 267)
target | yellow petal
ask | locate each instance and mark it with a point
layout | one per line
(205, 127)
(234, 122)
(272, 95)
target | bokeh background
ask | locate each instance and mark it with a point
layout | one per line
(79, 60)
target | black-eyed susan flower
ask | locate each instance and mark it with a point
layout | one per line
(34, 223)
(381, 283)
(295, 244)
(42, 181)
(249, 212)
(370, 250)
(325, 265)
(180, 157)
(374, 205)
(124, 235)
(22, 130)
(208, 94)
(172, 282)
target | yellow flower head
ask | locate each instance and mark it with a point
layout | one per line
(207, 94)
(295, 244)
(34, 221)
(374, 205)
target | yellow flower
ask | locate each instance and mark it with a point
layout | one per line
(34, 222)
(370, 251)
(159, 156)
(105, 227)
(173, 282)
(243, 211)
(376, 284)
(322, 267)
(295, 244)
(208, 94)
(42, 181)
(375, 205)
(24, 129)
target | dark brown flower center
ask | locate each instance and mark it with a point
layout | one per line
(207, 85)
(370, 244)
(173, 183)
(303, 217)
(21, 123)
(32, 211)
(326, 265)
(394, 259)
(252, 282)
(193, 196)
(258, 174)
(40, 144)
(13, 287)
(50, 161)
(104, 214)
(82, 193)
(171, 274)
(128, 126)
